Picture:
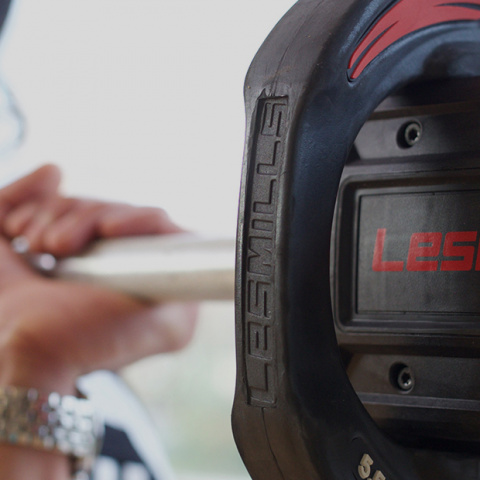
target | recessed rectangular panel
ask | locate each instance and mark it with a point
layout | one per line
(418, 253)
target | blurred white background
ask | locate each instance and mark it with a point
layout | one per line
(138, 100)
(141, 101)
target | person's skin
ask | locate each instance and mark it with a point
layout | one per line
(52, 331)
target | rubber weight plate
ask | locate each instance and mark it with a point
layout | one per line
(313, 84)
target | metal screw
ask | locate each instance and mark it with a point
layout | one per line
(405, 379)
(412, 132)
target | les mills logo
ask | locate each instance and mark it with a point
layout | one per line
(425, 253)
(418, 252)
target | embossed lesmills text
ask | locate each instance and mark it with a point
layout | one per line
(265, 165)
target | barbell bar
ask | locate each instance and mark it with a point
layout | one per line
(176, 267)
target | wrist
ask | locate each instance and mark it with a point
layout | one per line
(27, 463)
(22, 368)
(57, 431)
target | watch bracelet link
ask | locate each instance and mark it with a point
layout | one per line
(66, 424)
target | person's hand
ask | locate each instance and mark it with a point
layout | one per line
(53, 331)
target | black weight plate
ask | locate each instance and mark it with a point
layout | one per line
(313, 84)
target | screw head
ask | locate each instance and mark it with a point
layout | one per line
(405, 379)
(402, 378)
(410, 134)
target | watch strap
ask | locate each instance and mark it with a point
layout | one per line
(66, 425)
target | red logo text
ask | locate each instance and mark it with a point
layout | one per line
(430, 251)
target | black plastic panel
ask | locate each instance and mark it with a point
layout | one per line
(407, 268)
(418, 253)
